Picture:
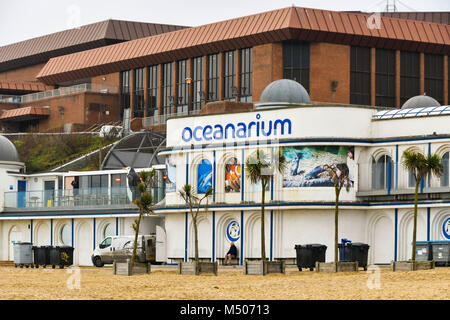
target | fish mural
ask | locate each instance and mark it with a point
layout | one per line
(306, 165)
(232, 176)
(204, 180)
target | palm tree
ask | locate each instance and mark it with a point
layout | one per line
(420, 166)
(144, 203)
(260, 169)
(340, 177)
(193, 200)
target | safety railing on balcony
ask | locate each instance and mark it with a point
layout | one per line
(88, 197)
(84, 87)
(161, 119)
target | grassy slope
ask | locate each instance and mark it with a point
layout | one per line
(41, 153)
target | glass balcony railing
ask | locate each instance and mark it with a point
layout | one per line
(79, 88)
(89, 197)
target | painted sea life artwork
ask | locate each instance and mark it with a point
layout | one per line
(306, 165)
(204, 177)
(232, 176)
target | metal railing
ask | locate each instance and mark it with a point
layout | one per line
(87, 197)
(161, 119)
(84, 87)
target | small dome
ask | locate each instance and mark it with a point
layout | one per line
(285, 90)
(420, 102)
(8, 151)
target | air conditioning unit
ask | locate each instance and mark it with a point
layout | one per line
(104, 91)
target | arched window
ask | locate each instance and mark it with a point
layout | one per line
(382, 172)
(66, 235)
(204, 176)
(108, 231)
(232, 175)
(445, 172)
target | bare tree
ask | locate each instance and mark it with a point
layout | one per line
(194, 202)
(340, 176)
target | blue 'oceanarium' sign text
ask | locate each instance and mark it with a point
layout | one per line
(238, 130)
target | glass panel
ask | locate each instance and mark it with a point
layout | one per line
(66, 235)
(445, 173)
(296, 62)
(197, 83)
(182, 87)
(409, 75)
(109, 231)
(229, 75)
(168, 98)
(360, 68)
(152, 105)
(246, 70)
(213, 78)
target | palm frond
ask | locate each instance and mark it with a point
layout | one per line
(420, 165)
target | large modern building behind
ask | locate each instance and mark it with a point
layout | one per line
(161, 71)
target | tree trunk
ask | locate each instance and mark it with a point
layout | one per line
(263, 235)
(133, 257)
(416, 200)
(194, 220)
(336, 228)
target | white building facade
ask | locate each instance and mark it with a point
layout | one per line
(211, 151)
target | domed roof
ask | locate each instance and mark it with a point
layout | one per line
(8, 151)
(420, 102)
(285, 90)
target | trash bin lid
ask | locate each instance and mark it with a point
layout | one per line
(22, 243)
(359, 244)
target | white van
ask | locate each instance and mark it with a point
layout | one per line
(121, 248)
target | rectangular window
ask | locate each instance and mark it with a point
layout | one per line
(385, 78)
(409, 75)
(125, 87)
(296, 61)
(434, 76)
(229, 75)
(245, 75)
(167, 88)
(138, 93)
(360, 67)
(152, 104)
(197, 83)
(213, 78)
(182, 87)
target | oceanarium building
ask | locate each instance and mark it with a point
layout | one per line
(211, 150)
(199, 100)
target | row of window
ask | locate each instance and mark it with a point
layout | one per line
(188, 78)
(66, 233)
(383, 173)
(385, 71)
(296, 66)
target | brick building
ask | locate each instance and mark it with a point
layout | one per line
(339, 57)
(26, 102)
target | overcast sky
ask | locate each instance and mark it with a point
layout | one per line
(25, 19)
